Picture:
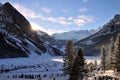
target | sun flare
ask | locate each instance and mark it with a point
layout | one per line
(35, 26)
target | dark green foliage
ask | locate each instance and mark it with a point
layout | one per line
(69, 57)
(111, 55)
(103, 58)
(117, 54)
(78, 67)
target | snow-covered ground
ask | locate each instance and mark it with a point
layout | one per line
(45, 67)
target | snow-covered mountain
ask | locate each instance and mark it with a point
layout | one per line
(92, 44)
(73, 35)
(44, 37)
(17, 39)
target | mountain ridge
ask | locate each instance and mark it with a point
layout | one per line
(94, 42)
(17, 37)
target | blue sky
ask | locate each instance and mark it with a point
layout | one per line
(56, 16)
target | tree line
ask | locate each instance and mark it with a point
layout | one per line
(110, 60)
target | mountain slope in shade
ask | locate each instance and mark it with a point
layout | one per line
(47, 39)
(72, 35)
(92, 44)
(17, 39)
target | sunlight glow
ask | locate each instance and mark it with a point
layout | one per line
(36, 27)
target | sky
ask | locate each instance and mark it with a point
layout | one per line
(57, 16)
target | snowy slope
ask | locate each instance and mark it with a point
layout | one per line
(16, 37)
(72, 35)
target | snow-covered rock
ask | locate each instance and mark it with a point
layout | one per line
(72, 35)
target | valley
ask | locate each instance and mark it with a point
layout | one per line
(64, 45)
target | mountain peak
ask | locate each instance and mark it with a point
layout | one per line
(72, 35)
(117, 17)
(7, 4)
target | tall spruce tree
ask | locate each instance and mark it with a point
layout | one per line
(103, 58)
(110, 55)
(117, 53)
(78, 67)
(69, 57)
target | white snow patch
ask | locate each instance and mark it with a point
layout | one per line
(88, 42)
(32, 49)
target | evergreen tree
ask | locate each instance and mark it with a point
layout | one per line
(110, 55)
(69, 57)
(103, 58)
(117, 53)
(78, 67)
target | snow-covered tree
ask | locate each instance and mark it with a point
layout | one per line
(69, 57)
(103, 58)
(95, 65)
(78, 67)
(117, 53)
(90, 66)
(110, 55)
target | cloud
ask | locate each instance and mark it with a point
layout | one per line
(79, 21)
(85, 1)
(82, 10)
(26, 12)
(70, 18)
(82, 19)
(46, 10)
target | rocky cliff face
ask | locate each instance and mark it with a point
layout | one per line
(59, 44)
(17, 39)
(92, 44)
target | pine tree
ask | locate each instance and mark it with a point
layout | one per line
(103, 58)
(117, 53)
(110, 55)
(69, 57)
(78, 67)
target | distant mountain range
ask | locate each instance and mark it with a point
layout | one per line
(92, 44)
(73, 35)
(17, 39)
